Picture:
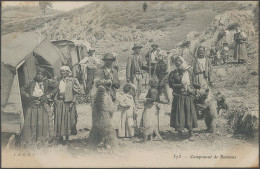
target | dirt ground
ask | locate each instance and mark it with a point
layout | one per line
(236, 150)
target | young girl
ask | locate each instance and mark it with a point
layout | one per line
(150, 118)
(126, 124)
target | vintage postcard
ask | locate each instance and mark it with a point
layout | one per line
(105, 84)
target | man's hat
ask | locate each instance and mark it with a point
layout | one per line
(154, 46)
(137, 46)
(225, 43)
(109, 56)
(91, 50)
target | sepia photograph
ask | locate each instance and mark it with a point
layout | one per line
(129, 84)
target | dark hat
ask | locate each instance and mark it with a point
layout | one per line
(137, 46)
(109, 56)
(91, 50)
(154, 46)
(225, 43)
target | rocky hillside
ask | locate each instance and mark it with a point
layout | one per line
(116, 26)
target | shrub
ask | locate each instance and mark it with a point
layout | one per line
(242, 121)
(232, 26)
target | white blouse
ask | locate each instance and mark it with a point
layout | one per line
(38, 90)
(62, 86)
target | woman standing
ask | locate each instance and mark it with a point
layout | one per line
(183, 114)
(65, 114)
(38, 123)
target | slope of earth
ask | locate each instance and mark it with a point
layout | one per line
(238, 83)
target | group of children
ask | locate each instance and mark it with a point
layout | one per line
(220, 56)
(149, 124)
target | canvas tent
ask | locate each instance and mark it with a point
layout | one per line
(73, 51)
(21, 53)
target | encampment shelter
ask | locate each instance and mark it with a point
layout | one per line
(21, 53)
(73, 51)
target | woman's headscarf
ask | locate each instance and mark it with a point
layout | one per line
(66, 68)
(184, 65)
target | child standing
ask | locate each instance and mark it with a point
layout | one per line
(224, 52)
(126, 124)
(150, 117)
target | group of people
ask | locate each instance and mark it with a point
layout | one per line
(221, 54)
(51, 106)
(47, 98)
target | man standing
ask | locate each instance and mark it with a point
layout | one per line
(151, 58)
(90, 63)
(240, 52)
(134, 69)
(107, 76)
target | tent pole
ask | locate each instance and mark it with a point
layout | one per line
(20, 99)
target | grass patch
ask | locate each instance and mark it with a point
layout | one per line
(242, 121)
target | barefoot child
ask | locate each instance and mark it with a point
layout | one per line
(150, 118)
(126, 124)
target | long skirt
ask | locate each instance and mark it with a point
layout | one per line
(38, 124)
(183, 114)
(65, 118)
(240, 51)
(150, 119)
(126, 124)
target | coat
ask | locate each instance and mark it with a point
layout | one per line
(102, 74)
(132, 67)
(240, 51)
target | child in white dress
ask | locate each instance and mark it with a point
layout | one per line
(126, 124)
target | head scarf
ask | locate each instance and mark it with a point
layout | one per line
(66, 68)
(184, 65)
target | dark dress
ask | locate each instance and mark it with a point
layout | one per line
(65, 113)
(38, 122)
(183, 113)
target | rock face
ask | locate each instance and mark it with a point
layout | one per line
(221, 29)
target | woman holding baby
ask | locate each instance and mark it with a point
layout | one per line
(183, 113)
